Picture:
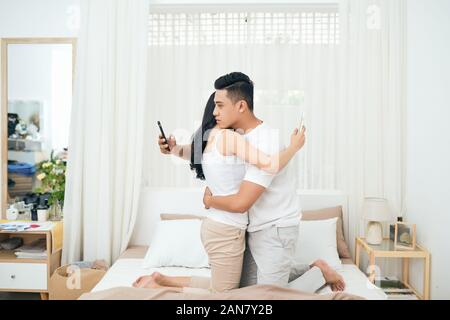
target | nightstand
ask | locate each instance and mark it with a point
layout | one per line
(386, 250)
(30, 275)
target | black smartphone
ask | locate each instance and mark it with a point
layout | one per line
(163, 134)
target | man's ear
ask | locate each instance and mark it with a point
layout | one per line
(242, 106)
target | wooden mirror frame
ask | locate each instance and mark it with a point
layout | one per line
(4, 101)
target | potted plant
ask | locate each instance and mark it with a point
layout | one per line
(52, 175)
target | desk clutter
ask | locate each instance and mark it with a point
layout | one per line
(11, 243)
(31, 207)
(33, 250)
(395, 289)
(25, 226)
(36, 249)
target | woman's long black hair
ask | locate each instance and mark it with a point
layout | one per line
(200, 138)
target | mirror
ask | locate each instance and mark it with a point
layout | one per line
(37, 82)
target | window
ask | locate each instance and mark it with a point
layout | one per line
(261, 27)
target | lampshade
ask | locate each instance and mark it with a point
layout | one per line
(377, 209)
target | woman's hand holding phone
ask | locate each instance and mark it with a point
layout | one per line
(167, 147)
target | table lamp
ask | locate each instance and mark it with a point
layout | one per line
(375, 211)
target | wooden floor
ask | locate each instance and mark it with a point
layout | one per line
(19, 296)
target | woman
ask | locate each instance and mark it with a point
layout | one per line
(218, 156)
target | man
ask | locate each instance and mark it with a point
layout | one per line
(271, 201)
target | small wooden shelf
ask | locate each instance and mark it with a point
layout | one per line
(386, 250)
(9, 256)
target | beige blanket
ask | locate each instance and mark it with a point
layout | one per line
(259, 292)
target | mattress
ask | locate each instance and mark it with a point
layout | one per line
(129, 267)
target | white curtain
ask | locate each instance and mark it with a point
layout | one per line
(106, 135)
(372, 105)
(344, 66)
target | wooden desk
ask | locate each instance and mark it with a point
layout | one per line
(28, 275)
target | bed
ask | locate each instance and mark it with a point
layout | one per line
(158, 201)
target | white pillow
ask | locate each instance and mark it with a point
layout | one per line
(317, 240)
(177, 243)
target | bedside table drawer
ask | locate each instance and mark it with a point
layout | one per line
(23, 276)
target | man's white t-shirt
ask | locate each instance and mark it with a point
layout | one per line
(278, 205)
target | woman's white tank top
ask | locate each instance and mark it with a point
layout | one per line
(224, 175)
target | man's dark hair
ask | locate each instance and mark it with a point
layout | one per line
(238, 87)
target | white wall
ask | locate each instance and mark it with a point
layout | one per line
(38, 18)
(428, 157)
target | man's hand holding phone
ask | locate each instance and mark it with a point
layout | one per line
(298, 137)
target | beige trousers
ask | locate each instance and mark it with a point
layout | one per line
(225, 246)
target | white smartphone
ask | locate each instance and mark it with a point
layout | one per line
(302, 121)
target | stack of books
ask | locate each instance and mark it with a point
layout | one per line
(34, 250)
(395, 289)
(14, 226)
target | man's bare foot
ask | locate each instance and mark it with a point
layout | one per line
(334, 279)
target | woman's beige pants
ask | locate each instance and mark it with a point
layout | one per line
(225, 246)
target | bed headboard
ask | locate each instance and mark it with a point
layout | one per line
(155, 201)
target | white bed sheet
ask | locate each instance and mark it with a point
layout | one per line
(125, 271)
